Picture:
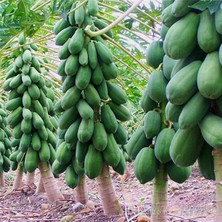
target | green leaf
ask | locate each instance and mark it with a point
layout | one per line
(152, 5)
(202, 5)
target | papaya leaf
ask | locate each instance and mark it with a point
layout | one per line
(202, 5)
(152, 5)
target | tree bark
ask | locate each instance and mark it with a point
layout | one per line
(18, 178)
(2, 180)
(159, 203)
(109, 200)
(40, 188)
(30, 179)
(217, 154)
(52, 190)
(81, 190)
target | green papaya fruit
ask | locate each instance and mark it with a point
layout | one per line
(178, 46)
(207, 36)
(145, 165)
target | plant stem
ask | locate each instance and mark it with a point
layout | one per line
(109, 200)
(49, 183)
(40, 188)
(78, 6)
(2, 180)
(30, 179)
(217, 154)
(81, 190)
(134, 18)
(143, 12)
(18, 179)
(110, 26)
(146, 68)
(159, 202)
(40, 5)
(129, 67)
(135, 31)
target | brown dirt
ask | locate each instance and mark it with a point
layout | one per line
(192, 201)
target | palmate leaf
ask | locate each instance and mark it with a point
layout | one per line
(212, 5)
(23, 9)
(18, 16)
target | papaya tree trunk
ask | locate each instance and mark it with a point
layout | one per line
(109, 200)
(40, 188)
(30, 179)
(18, 178)
(217, 154)
(159, 203)
(51, 188)
(2, 181)
(81, 190)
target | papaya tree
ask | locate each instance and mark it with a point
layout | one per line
(92, 106)
(193, 90)
(29, 106)
(149, 145)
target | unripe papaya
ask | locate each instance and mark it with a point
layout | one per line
(93, 163)
(199, 106)
(111, 154)
(152, 124)
(184, 84)
(207, 36)
(145, 165)
(167, 17)
(186, 146)
(176, 173)
(162, 145)
(179, 46)
(209, 76)
(76, 42)
(136, 142)
(157, 86)
(172, 111)
(211, 128)
(155, 53)
(206, 162)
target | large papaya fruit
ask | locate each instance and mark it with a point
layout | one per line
(209, 76)
(193, 111)
(178, 174)
(162, 145)
(93, 162)
(152, 124)
(184, 84)
(157, 86)
(207, 36)
(145, 165)
(155, 53)
(136, 142)
(186, 146)
(211, 129)
(179, 46)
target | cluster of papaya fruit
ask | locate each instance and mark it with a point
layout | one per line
(92, 106)
(5, 141)
(150, 144)
(29, 102)
(192, 67)
(189, 60)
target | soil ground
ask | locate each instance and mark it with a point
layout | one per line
(192, 201)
